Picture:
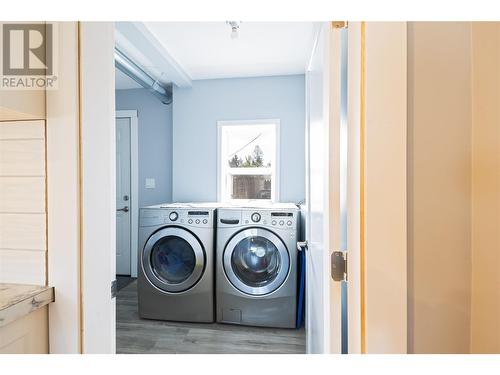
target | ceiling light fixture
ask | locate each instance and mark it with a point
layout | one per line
(235, 25)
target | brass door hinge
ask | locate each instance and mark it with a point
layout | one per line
(339, 266)
(339, 24)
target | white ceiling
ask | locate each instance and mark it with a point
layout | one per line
(205, 50)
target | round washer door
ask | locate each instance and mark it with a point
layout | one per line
(256, 261)
(173, 259)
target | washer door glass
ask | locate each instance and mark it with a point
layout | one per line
(256, 261)
(173, 259)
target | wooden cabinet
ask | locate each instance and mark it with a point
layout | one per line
(24, 318)
(26, 335)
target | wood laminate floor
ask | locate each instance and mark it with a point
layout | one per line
(135, 335)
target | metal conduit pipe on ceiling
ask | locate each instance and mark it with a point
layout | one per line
(134, 71)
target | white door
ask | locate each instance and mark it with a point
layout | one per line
(123, 196)
(323, 195)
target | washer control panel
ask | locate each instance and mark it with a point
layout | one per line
(191, 217)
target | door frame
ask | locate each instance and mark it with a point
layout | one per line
(134, 186)
(98, 186)
(93, 253)
(377, 152)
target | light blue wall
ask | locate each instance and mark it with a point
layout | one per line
(196, 111)
(155, 143)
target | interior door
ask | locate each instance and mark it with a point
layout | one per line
(123, 187)
(323, 191)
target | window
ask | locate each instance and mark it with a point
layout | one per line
(248, 160)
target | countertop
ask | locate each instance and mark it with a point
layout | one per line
(18, 300)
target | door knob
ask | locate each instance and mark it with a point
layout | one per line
(124, 209)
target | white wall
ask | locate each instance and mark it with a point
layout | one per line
(196, 111)
(63, 197)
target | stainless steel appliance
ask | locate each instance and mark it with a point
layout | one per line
(257, 265)
(176, 262)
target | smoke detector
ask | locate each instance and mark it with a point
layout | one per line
(235, 26)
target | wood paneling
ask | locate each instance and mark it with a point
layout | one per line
(22, 266)
(21, 130)
(22, 202)
(22, 157)
(22, 231)
(22, 195)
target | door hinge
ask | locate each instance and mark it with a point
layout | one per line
(339, 265)
(114, 289)
(339, 24)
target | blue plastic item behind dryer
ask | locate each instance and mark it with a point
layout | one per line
(302, 285)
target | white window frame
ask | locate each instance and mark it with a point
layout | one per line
(275, 168)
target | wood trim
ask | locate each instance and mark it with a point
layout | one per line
(63, 198)
(384, 182)
(362, 187)
(46, 201)
(80, 180)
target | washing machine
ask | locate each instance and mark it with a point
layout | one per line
(256, 268)
(176, 262)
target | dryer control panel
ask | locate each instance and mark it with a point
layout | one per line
(278, 219)
(283, 219)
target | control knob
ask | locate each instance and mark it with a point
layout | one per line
(256, 217)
